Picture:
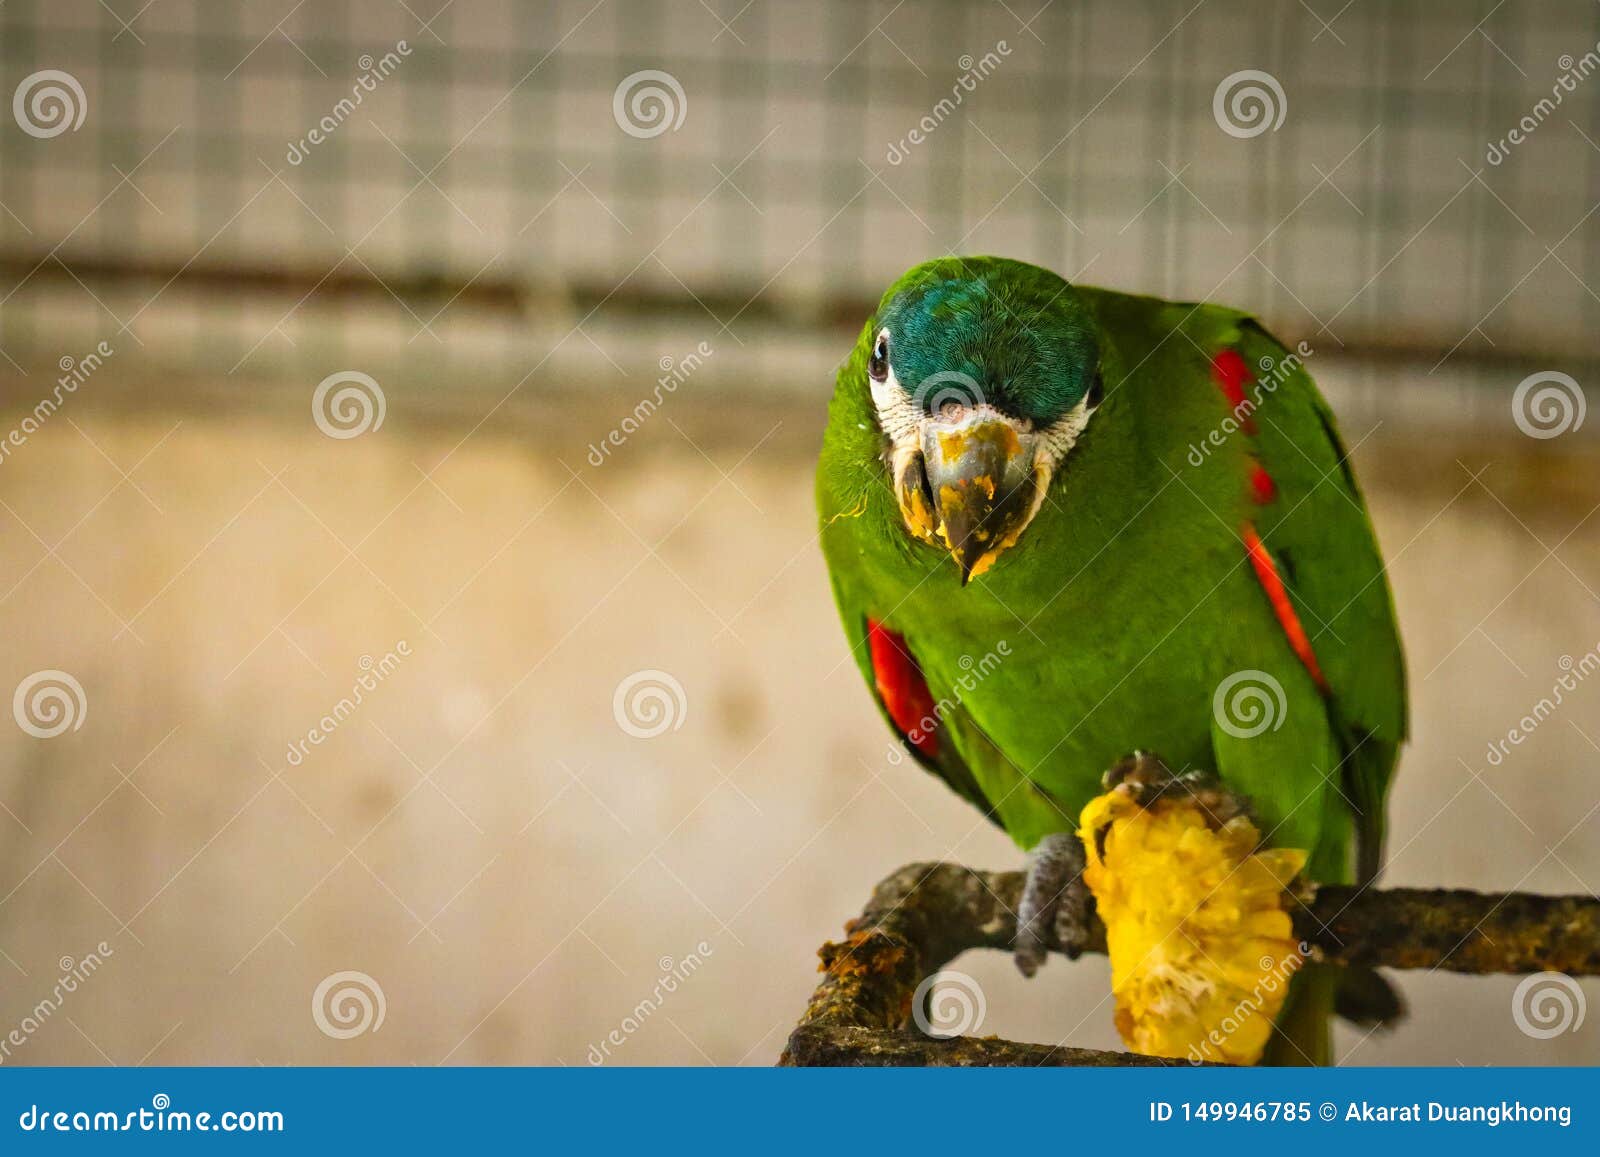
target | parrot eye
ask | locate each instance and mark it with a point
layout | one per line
(878, 363)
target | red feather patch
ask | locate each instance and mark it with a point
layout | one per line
(1232, 375)
(1271, 582)
(1262, 488)
(905, 692)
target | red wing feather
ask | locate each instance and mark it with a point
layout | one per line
(904, 691)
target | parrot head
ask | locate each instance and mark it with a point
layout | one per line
(983, 372)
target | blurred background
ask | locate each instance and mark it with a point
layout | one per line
(420, 646)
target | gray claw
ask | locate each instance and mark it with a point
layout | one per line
(1072, 918)
(1054, 911)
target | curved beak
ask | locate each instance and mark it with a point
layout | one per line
(985, 481)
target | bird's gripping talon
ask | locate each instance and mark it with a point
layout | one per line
(1145, 778)
(1055, 907)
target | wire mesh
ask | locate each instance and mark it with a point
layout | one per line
(478, 191)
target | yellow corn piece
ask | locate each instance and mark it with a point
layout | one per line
(1197, 926)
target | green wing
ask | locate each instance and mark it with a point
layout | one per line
(1321, 536)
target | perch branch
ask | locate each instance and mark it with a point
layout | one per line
(925, 915)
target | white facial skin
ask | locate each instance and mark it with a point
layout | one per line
(960, 416)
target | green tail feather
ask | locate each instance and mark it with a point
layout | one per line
(1318, 993)
(1368, 771)
(1304, 1032)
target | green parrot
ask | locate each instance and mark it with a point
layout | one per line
(1066, 524)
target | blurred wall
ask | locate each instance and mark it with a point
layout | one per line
(486, 842)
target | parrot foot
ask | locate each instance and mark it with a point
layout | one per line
(1147, 778)
(1054, 911)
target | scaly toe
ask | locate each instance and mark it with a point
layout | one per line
(1054, 900)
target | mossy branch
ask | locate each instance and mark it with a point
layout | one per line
(925, 915)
